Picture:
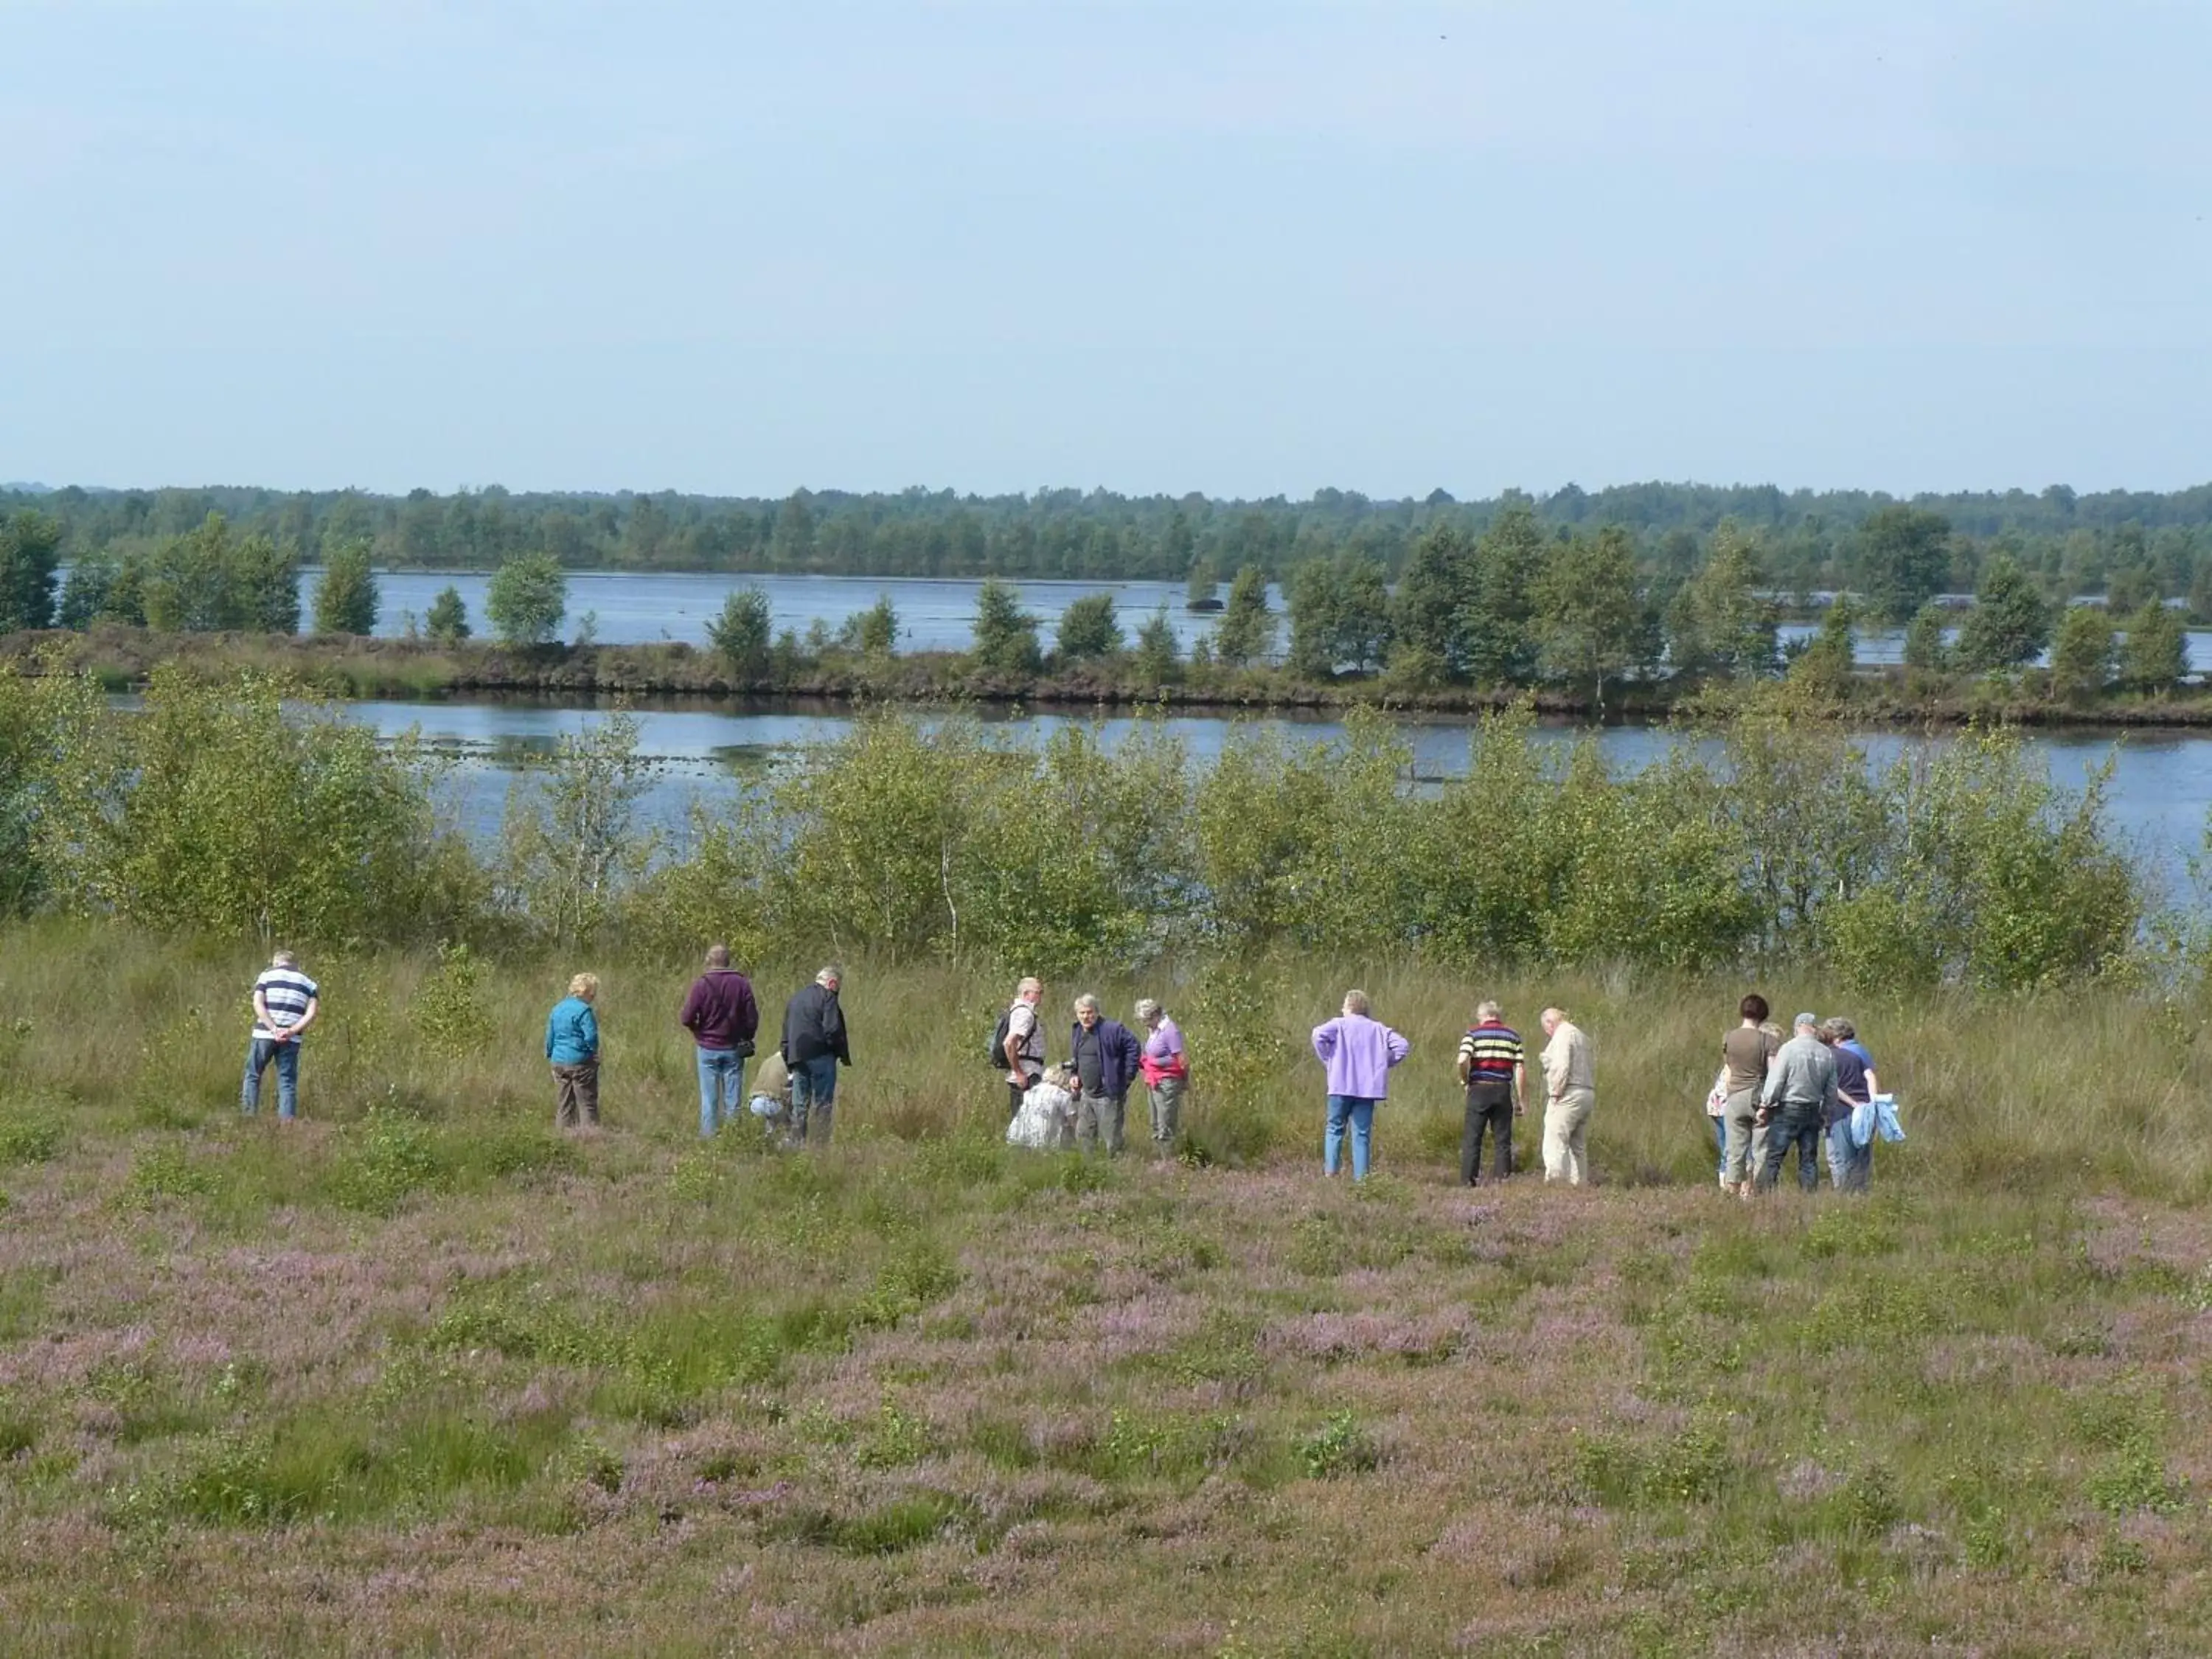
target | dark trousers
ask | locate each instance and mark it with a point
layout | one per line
(1014, 1093)
(1795, 1126)
(1489, 1105)
(576, 1095)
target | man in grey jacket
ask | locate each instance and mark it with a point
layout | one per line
(1800, 1083)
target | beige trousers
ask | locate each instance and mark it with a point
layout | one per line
(1566, 1137)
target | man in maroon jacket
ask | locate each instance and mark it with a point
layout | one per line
(722, 1016)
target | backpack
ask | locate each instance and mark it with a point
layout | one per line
(999, 1035)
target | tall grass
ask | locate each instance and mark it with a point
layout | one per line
(2056, 1092)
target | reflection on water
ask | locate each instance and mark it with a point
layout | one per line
(2161, 792)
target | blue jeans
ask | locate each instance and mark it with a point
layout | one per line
(1851, 1168)
(1798, 1127)
(258, 1057)
(721, 1087)
(1720, 1144)
(1361, 1116)
(813, 1086)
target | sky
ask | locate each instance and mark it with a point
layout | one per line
(1247, 249)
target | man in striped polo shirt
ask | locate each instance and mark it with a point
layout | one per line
(285, 1004)
(1496, 1075)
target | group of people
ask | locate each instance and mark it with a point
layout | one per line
(1818, 1087)
(1082, 1103)
(795, 1090)
(1085, 1102)
(1814, 1090)
(1357, 1051)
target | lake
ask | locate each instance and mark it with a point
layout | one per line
(2160, 794)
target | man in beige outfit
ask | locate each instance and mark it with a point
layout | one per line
(1570, 1092)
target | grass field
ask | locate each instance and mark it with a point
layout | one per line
(415, 1375)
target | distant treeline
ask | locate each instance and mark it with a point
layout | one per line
(1517, 606)
(1811, 541)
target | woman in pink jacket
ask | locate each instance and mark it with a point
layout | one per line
(1358, 1053)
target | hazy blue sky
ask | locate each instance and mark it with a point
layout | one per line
(1241, 248)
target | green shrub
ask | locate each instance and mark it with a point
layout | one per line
(1339, 1446)
(896, 1440)
(30, 1135)
(167, 1170)
(384, 1160)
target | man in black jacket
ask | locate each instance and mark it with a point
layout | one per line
(814, 1047)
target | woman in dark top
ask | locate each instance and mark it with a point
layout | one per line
(1850, 1166)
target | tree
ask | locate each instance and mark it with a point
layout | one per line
(2156, 654)
(1591, 619)
(1340, 615)
(2082, 656)
(1089, 628)
(2129, 588)
(266, 586)
(1199, 595)
(1006, 639)
(569, 841)
(1719, 623)
(447, 621)
(30, 549)
(1904, 560)
(1925, 651)
(207, 580)
(1157, 658)
(790, 544)
(346, 597)
(1492, 636)
(2010, 622)
(1177, 548)
(527, 598)
(1314, 603)
(740, 635)
(1247, 631)
(1434, 590)
(1825, 665)
(103, 587)
(1363, 615)
(871, 632)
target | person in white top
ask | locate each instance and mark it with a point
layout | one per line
(1569, 1095)
(1046, 1119)
(1024, 1046)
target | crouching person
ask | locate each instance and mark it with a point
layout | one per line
(770, 1102)
(1046, 1117)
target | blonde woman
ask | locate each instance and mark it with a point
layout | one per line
(572, 1044)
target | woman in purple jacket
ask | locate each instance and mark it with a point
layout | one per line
(1358, 1053)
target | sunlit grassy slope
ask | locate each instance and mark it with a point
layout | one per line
(417, 1376)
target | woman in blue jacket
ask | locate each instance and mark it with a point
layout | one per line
(571, 1044)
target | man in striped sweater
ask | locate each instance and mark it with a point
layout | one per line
(1491, 1065)
(285, 1004)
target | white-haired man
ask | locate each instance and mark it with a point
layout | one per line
(1104, 1055)
(1570, 1096)
(815, 1045)
(1496, 1075)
